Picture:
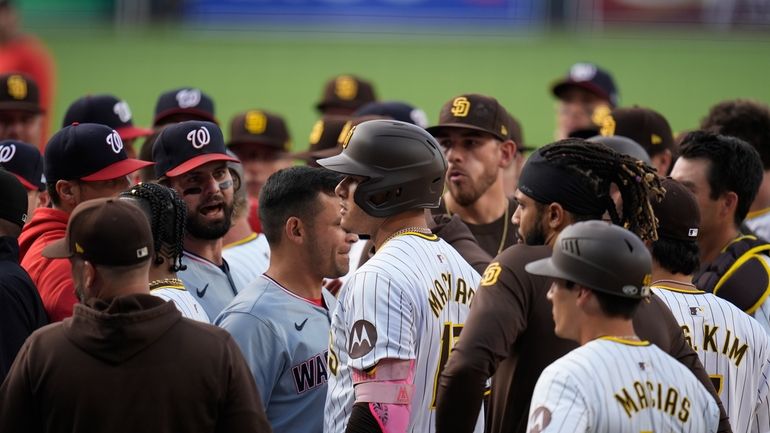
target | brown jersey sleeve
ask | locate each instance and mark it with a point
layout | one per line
(498, 316)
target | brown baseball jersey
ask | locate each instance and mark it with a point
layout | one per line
(509, 336)
(493, 237)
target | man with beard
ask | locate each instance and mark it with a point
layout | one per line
(474, 134)
(509, 333)
(190, 157)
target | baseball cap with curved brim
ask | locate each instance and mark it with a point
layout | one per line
(185, 146)
(89, 152)
(473, 111)
(107, 110)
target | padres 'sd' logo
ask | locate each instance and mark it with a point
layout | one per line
(316, 132)
(460, 107)
(255, 122)
(600, 113)
(346, 88)
(491, 274)
(608, 126)
(347, 132)
(17, 87)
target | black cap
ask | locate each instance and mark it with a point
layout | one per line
(396, 110)
(89, 152)
(13, 199)
(589, 77)
(473, 111)
(19, 92)
(624, 146)
(184, 146)
(24, 161)
(188, 101)
(107, 110)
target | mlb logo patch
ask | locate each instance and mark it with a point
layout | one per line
(693, 233)
(696, 311)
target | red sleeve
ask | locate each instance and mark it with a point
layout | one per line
(57, 290)
(254, 222)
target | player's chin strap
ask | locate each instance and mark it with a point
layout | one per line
(388, 390)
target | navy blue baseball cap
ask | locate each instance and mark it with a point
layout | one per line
(188, 101)
(589, 77)
(184, 146)
(107, 110)
(24, 161)
(89, 152)
(396, 110)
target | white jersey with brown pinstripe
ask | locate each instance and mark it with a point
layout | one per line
(733, 348)
(409, 302)
(614, 385)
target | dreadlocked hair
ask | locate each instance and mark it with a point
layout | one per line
(168, 216)
(601, 166)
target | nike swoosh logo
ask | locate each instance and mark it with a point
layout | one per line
(299, 327)
(200, 292)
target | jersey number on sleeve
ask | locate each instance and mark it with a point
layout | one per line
(449, 336)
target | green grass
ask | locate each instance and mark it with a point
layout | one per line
(679, 74)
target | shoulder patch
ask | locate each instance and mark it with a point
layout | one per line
(491, 274)
(363, 337)
(746, 284)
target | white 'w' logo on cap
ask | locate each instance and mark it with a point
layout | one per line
(188, 98)
(199, 137)
(115, 142)
(6, 152)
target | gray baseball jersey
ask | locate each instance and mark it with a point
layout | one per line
(408, 302)
(212, 286)
(733, 348)
(247, 258)
(284, 340)
(612, 385)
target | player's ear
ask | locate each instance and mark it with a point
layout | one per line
(556, 217)
(507, 152)
(294, 230)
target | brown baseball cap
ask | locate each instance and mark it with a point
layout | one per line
(324, 135)
(347, 92)
(105, 231)
(678, 213)
(643, 125)
(474, 111)
(19, 92)
(260, 128)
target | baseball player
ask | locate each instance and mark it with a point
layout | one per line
(399, 315)
(190, 157)
(509, 334)
(732, 346)
(281, 320)
(167, 214)
(615, 382)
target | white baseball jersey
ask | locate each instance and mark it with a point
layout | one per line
(759, 223)
(248, 258)
(184, 302)
(408, 302)
(211, 285)
(612, 385)
(733, 348)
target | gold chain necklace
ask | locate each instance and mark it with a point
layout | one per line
(166, 282)
(506, 221)
(421, 230)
